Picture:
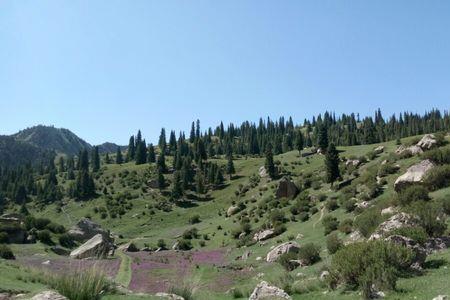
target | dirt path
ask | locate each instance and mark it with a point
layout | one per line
(322, 211)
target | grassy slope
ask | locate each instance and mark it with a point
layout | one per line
(169, 225)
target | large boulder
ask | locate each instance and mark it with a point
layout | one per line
(352, 162)
(49, 295)
(13, 226)
(414, 174)
(420, 253)
(437, 243)
(264, 235)
(97, 247)
(169, 296)
(413, 150)
(427, 142)
(355, 236)
(262, 172)
(86, 229)
(232, 210)
(279, 250)
(266, 291)
(286, 189)
(378, 149)
(395, 222)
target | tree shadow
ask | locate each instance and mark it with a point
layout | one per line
(186, 204)
(434, 263)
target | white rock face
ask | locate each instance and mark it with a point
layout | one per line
(427, 142)
(49, 295)
(264, 235)
(441, 297)
(389, 210)
(279, 250)
(262, 171)
(169, 296)
(396, 221)
(354, 237)
(414, 174)
(98, 246)
(265, 291)
(352, 162)
(412, 149)
(378, 149)
(86, 229)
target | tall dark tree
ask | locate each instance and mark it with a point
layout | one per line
(84, 187)
(151, 157)
(230, 166)
(61, 165)
(95, 159)
(119, 157)
(332, 164)
(141, 153)
(269, 164)
(192, 134)
(131, 149)
(322, 139)
(177, 186)
(299, 141)
(200, 184)
(162, 141)
(161, 179)
(161, 163)
(107, 158)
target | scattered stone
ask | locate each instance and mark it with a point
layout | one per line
(49, 295)
(411, 149)
(287, 247)
(352, 162)
(265, 291)
(437, 244)
(299, 236)
(389, 210)
(324, 275)
(286, 189)
(86, 229)
(258, 258)
(363, 204)
(378, 149)
(262, 172)
(441, 297)
(414, 174)
(264, 235)
(354, 237)
(232, 210)
(427, 142)
(169, 296)
(46, 263)
(175, 245)
(396, 221)
(98, 246)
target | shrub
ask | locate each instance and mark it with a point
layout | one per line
(439, 156)
(45, 237)
(417, 234)
(331, 204)
(303, 216)
(438, 177)
(4, 238)
(346, 226)
(330, 224)
(132, 247)
(194, 219)
(185, 291)
(184, 244)
(309, 253)
(55, 228)
(368, 221)
(66, 240)
(386, 169)
(412, 194)
(285, 260)
(350, 205)
(368, 265)
(446, 205)
(161, 244)
(85, 285)
(236, 293)
(333, 243)
(6, 252)
(190, 234)
(431, 218)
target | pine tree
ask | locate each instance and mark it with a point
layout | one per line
(299, 142)
(107, 158)
(230, 166)
(200, 184)
(192, 134)
(162, 141)
(61, 165)
(332, 164)
(177, 186)
(161, 179)
(161, 163)
(141, 153)
(131, 149)
(269, 164)
(322, 139)
(95, 159)
(151, 157)
(84, 187)
(119, 158)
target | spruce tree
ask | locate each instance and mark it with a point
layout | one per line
(230, 166)
(151, 157)
(177, 186)
(131, 149)
(332, 164)
(162, 141)
(161, 163)
(322, 139)
(269, 164)
(299, 142)
(200, 184)
(161, 179)
(141, 153)
(61, 165)
(107, 158)
(119, 158)
(95, 159)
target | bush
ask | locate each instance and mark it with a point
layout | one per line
(309, 253)
(331, 205)
(439, 156)
(303, 216)
(194, 219)
(438, 177)
(190, 234)
(185, 291)
(431, 218)
(4, 238)
(132, 248)
(184, 244)
(85, 285)
(350, 205)
(66, 240)
(368, 221)
(333, 243)
(161, 244)
(412, 194)
(285, 260)
(45, 237)
(330, 224)
(417, 234)
(386, 169)
(368, 265)
(55, 228)
(6, 252)
(346, 226)
(446, 205)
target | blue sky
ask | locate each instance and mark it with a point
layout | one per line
(107, 68)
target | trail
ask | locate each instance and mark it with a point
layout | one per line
(67, 215)
(322, 211)
(123, 276)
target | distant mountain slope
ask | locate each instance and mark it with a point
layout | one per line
(14, 153)
(109, 147)
(50, 138)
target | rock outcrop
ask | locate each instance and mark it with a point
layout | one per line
(396, 221)
(437, 244)
(232, 210)
(264, 235)
(13, 226)
(266, 291)
(378, 149)
(169, 296)
(414, 174)
(420, 254)
(279, 250)
(49, 295)
(427, 142)
(286, 189)
(86, 229)
(97, 247)
(352, 162)
(355, 236)
(413, 150)
(262, 172)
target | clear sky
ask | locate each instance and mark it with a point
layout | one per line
(107, 68)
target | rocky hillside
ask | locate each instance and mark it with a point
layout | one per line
(14, 153)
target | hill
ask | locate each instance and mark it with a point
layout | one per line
(50, 138)
(14, 153)
(109, 148)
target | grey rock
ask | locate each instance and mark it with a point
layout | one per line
(265, 291)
